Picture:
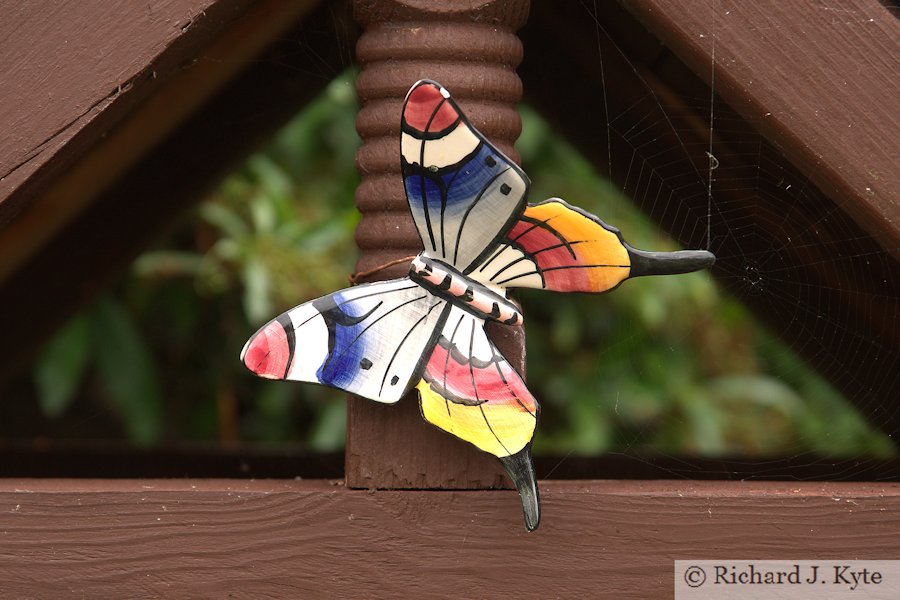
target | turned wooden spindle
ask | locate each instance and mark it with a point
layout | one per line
(471, 48)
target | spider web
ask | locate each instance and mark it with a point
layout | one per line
(817, 279)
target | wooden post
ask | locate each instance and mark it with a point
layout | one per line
(470, 48)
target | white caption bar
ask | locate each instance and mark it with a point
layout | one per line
(794, 579)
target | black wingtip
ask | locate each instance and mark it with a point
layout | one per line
(521, 470)
(668, 263)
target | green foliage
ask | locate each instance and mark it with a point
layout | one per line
(108, 339)
(60, 368)
(668, 364)
(665, 364)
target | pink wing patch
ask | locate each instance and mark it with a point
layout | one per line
(568, 249)
(458, 379)
(427, 110)
(480, 400)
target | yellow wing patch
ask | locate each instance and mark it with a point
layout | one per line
(569, 250)
(501, 428)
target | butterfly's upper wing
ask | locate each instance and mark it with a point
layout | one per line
(559, 247)
(464, 194)
(556, 246)
(370, 340)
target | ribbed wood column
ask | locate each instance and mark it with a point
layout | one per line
(471, 48)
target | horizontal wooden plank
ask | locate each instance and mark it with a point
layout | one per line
(317, 539)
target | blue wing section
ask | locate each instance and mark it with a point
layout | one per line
(368, 340)
(464, 194)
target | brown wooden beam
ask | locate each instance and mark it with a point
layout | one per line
(94, 85)
(188, 131)
(818, 81)
(316, 539)
(472, 50)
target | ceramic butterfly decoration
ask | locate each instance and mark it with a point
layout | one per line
(426, 331)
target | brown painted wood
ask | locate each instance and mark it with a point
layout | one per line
(316, 539)
(819, 278)
(470, 48)
(819, 81)
(69, 75)
(237, 97)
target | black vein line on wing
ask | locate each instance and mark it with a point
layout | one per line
(532, 255)
(501, 358)
(510, 264)
(403, 341)
(447, 360)
(503, 246)
(469, 158)
(535, 223)
(522, 275)
(475, 389)
(587, 267)
(542, 271)
(545, 225)
(428, 135)
(379, 318)
(491, 429)
(422, 177)
(425, 206)
(354, 299)
(512, 242)
(567, 245)
(462, 223)
(471, 366)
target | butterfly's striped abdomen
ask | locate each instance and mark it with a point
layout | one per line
(447, 283)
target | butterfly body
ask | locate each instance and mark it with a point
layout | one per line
(445, 282)
(426, 331)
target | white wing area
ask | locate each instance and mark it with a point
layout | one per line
(508, 266)
(368, 340)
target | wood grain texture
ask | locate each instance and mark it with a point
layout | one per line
(819, 80)
(472, 50)
(70, 75)
(316, 539)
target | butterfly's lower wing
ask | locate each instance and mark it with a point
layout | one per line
(371, 340)
(470, 390)
(556, 246)
(463, 193)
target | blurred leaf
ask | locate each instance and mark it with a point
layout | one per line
(223, 217)
(167, 263)
(127, 371)
(329, 430)
(61, 366)
(257, 302)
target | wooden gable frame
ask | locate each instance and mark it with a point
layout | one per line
(91, 176)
